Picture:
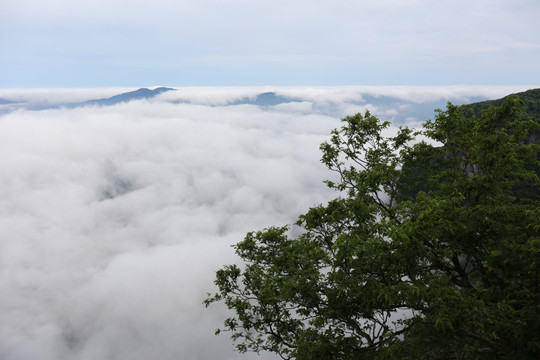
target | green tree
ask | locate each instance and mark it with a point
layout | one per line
(426, 253)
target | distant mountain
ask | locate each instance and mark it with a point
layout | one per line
(142, 93)
(266, 99)
(6, 102)
(7, 106)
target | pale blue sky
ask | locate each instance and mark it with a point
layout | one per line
(74, 43)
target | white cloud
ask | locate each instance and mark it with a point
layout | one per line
(56, 96)
(341, 94)
(114, 219)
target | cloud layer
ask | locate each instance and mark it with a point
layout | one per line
(114, 219)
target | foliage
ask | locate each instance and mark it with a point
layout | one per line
(530, 98)
(426, 254)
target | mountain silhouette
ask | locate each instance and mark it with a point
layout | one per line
(142, 93)
(266, 99)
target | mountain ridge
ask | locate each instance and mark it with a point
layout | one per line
(142, 93)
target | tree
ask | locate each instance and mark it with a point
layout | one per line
(425, 254)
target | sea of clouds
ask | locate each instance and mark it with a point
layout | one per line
(113, 220)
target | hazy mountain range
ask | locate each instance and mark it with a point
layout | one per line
(393, 108)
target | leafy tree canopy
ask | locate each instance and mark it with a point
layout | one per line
(426, 254)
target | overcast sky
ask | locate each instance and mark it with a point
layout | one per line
(66, 43)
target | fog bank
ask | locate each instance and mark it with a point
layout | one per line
(114, 219)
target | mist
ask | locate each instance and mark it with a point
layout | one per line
(113, 220)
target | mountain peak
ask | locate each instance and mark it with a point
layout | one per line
(142, 93)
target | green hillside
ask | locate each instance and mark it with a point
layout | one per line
(531, 98)
(416, 171)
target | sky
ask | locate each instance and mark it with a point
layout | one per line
(104, 43)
